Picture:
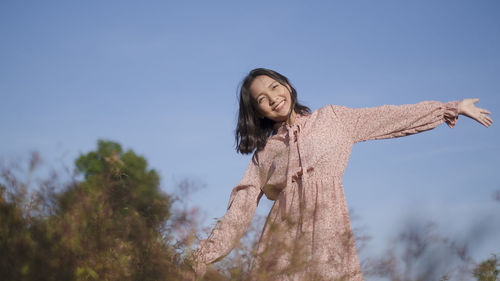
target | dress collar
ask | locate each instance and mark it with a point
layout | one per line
(284, 127)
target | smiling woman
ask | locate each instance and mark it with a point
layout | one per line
(254, 126)
(299, 160)
(273, 100)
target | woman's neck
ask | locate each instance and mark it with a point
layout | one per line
(290, 120)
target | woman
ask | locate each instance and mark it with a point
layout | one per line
(299, 159)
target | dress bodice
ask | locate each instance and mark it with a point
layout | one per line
(276, 160)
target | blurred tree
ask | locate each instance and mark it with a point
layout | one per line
(488, 270)
(126, 182)
(114, 220)
(111, 225)
(28, 243)
(15, 242)
(116, 224)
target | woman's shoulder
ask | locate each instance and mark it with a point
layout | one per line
(329, 111)
(333, 108)
(329, 116)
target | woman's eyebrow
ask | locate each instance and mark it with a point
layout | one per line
(269, 86)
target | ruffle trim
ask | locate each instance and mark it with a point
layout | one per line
(451, 113)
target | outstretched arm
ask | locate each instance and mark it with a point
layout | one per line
(230, 228)
(467, 108)
(390, 121)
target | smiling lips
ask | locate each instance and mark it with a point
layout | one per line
(279, 106)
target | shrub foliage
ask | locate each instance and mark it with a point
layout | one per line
(115, 223)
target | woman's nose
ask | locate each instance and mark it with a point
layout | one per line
(273, 100)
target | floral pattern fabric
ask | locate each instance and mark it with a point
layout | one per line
(308, 235)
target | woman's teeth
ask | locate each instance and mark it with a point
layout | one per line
(279, 106)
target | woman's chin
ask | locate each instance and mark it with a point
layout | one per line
(279, 119)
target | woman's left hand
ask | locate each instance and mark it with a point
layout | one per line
(466, 107)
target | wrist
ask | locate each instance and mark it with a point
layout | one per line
(459, 107)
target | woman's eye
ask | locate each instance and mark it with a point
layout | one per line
(275, 86)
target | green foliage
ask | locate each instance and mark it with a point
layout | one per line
(15, 242)
(110, 226)
(115, 217)
(116, 224)
(488, 270)
(124, 181)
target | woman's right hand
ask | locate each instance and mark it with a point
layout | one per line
(194, 273)
(199, 270)
(188, 276)
(467, 108)
(195, 269)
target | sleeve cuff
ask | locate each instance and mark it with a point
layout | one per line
(451, 113)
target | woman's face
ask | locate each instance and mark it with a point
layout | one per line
(272, 99)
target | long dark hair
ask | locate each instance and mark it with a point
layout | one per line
(252, 131)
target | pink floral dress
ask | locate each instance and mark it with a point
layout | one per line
(308, 235)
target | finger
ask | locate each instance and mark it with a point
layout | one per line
(480, 119)
(488, 118)
(485, 122)
(475, 100)
(482, 110)
(489, 122)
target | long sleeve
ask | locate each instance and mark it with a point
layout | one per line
(231, 227)
(390, 121)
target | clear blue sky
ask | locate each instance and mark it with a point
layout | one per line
(160, 77)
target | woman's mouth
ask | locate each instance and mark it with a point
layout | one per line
(279, 106)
